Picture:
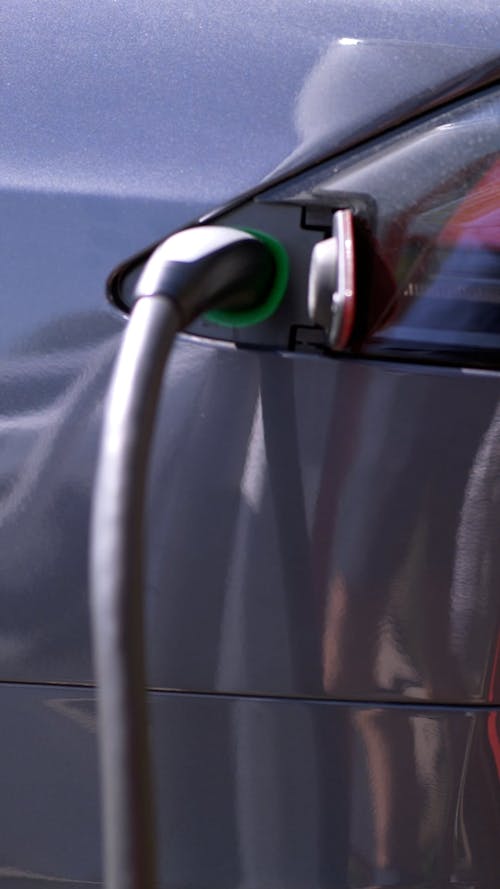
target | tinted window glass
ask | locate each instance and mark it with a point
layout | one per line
(434, 190)
(448, 275)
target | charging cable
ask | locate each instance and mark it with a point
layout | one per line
(210, 268)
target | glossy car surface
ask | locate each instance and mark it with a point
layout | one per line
(324, 659)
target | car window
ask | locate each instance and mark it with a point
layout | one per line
(432, 194)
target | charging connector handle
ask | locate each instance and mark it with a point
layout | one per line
(116, 583)
(191, 272)
(207, 267)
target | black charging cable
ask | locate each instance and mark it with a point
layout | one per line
(192, 272)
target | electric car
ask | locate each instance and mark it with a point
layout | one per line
(321, 599)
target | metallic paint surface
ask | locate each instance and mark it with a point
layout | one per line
(299, 488)
(310, 520)
(355, 499)
(256, 792)
(182, 101)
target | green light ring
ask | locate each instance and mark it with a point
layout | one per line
(246, 317)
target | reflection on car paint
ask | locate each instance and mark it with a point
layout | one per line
(254, 791)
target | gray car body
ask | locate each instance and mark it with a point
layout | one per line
(282, 757)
